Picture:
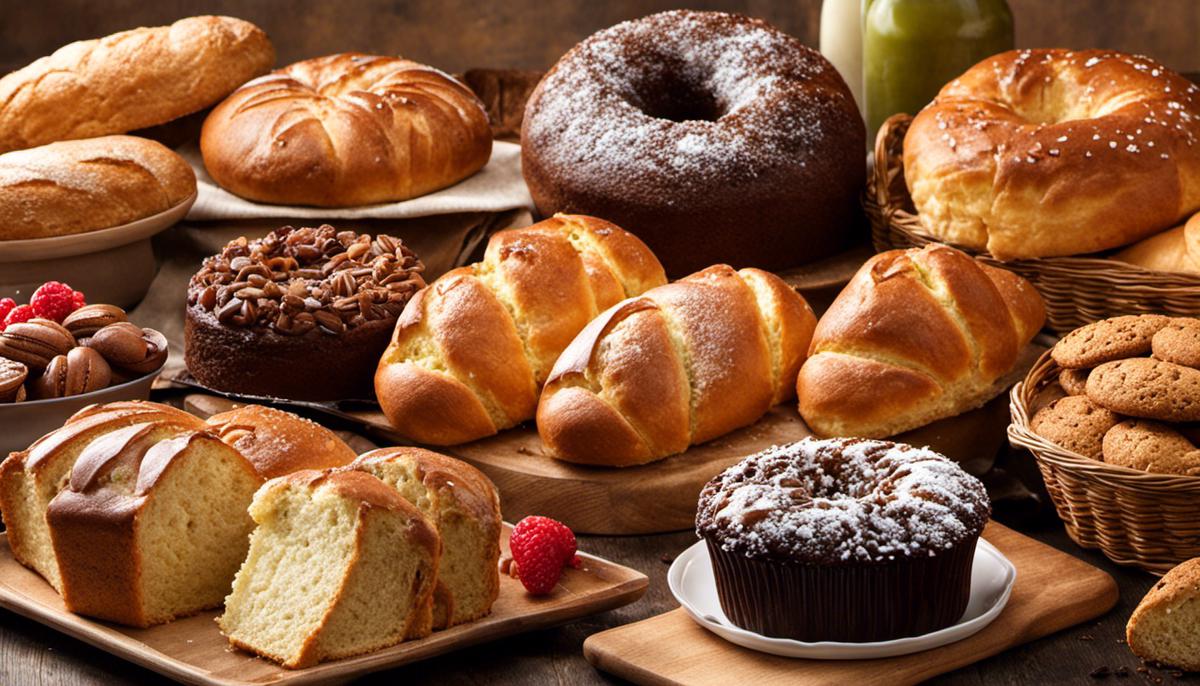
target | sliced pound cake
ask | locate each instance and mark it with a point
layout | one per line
(339, 565)
(462, 503)
(152, 524)
(1165, 627)
(29, 479)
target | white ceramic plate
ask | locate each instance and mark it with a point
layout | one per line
(691, 581)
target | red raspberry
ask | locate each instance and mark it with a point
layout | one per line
(53, 300)
(541, 547)
(78, 300)
(20, 313)
(6, 306)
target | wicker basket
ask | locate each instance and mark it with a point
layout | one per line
(1077, 290)
(1135, 518)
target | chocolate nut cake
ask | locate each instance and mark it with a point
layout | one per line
(843, 539)
(301, 313)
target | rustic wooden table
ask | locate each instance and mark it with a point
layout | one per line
(1091, 653)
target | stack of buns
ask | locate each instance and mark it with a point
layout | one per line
(63, 169)
(1132, 387)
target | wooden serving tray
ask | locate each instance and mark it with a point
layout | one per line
(193, 651)
(660, 496)
(1053, 591)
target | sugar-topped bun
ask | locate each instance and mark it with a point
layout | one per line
(843, 539)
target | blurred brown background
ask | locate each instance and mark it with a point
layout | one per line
(531, 34)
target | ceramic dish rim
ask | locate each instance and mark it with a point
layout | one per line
(42, 402)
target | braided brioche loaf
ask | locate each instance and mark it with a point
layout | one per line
(682, 364)
(471, 351)
(917, 335)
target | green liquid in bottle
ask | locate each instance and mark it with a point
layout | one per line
(911, 48)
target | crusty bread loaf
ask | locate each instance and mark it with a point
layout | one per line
(152, 524)
(339, 565)
(1165, 626)
(129, 80)
(1036, 153)
(1174, 250)
(917, 335)
(85, 185)
(471, 351)
(681, 364)
(346, 130)
(278, 442)
(464, 507)
(30, 479)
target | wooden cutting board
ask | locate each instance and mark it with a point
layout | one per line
(1053, 591)
(193, 651)
(660, 496)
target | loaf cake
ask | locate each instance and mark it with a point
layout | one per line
(1163, 627)
(464, 507)
(339, 565)
(277, 442)
(30, 479)
(843, 540)
(152, 524)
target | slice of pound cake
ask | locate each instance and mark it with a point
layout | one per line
(339, 565)
(29, 479)
(462, 503)
(1165, 627)
(152, 524)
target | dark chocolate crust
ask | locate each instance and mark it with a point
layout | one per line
(258, 361)
(610, 132)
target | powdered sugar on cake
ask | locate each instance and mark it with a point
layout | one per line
(602, 116)
(842, 500)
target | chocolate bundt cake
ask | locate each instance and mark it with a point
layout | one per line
(843, 540)
(713, 137)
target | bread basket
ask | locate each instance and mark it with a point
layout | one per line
(1133, 517)
(1077, 290)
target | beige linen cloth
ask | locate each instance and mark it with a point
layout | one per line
(445, 228)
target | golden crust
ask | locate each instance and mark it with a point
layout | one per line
(1036, 153)
(278, 442)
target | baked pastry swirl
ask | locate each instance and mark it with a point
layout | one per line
(843, 539)
(1036, 153)
(713, 137)
(346, 130)
(301, 313)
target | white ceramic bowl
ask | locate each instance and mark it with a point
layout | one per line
(23, 423)
(692, 582)
(114, 265)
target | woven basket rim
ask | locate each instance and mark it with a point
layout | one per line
(879, 199)
(1021, 398)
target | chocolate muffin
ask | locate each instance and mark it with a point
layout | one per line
(847, 540)
(301, 313)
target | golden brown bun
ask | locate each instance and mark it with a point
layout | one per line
(346, 130)
(278, 442)
(79, 186)
(1165, 626)
(917, 335)
(1036, 153)
(1176, 250)
(471, 351)
(130, 80)
(682, 364)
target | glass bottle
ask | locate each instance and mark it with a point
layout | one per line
(911, 48)
(841, 42)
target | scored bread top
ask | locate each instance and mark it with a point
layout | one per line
(277, 442)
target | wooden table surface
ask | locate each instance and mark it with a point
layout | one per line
(33, 654)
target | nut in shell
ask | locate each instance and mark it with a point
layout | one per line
(89, 319)
(130, 348)
(35, 342)
(82, 370)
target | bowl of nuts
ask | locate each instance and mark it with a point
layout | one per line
(58, 355)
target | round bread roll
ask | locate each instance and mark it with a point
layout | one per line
(346, 130)
(79, 186)
(130, 80)
(1036, 153)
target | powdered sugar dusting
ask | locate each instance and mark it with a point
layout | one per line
(689, 96)
(842, 501)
